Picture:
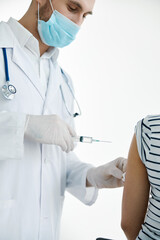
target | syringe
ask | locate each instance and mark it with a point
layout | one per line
(84, 139)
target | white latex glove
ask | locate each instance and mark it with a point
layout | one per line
(108, 175)
(50, 129)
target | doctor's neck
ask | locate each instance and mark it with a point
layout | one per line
(30, 22)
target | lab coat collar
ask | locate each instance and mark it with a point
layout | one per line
(22, 61)
(8, 40)
(27, 40)
(52, 53)
(20, 33)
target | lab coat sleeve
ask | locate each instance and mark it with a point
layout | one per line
(77, 170)
(12, 127)
(76, 180)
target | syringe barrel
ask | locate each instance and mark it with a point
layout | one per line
(83, 139)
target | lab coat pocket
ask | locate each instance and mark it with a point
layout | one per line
(8, 218)
(61, 205)
(6, 204)
(6, 211)
(61, 201)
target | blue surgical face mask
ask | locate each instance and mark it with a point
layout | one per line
(58, 31)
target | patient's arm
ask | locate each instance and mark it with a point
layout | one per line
(135, 195)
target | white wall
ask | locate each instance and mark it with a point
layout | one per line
(115, 66)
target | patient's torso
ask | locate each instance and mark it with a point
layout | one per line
(149, 151)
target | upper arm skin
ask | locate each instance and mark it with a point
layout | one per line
(135, 195)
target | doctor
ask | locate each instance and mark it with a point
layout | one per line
(37, 163)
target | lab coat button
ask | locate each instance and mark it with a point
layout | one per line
(45, 160)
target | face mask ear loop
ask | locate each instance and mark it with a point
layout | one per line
(38, 11)
(51, 5)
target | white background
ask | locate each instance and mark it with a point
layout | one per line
(115, 66)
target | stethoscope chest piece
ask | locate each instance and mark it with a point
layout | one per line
(8, 91)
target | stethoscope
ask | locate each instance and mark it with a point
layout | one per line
(9, 90)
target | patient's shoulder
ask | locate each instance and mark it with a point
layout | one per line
(147, 133)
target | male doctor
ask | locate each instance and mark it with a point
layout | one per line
(37, 163)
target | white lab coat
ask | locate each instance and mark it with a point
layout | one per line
(34, 177)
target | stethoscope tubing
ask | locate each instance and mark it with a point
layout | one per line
(9, 95)
(72, 93)
(6, 64)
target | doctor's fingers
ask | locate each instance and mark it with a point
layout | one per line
(63, 146)
(113, 183)
(121, 163)
(71, 131)
(116, 172)
(69, 143)
(66, 147)
(125, 165)
(118, 182)
(65, 141)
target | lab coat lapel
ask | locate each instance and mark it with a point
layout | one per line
(8, 40)
(23, 62)
(55, 80)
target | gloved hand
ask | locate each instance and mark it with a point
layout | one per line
(108, 175)
(50, 129)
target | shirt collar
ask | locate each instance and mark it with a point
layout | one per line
(26, 39)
